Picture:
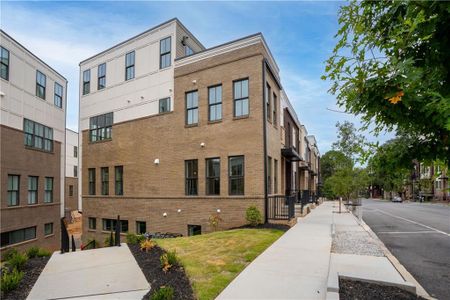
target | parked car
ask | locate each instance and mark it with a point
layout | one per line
(397, 199)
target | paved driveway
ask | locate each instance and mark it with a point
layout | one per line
(419, 236)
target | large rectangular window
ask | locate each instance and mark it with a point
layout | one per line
(213, 176)
(268, 95)
(41, 82)
(105, 180)
(58, 95)
(129, 65)
(17, 236)
(75, 171)
(101, 76)
(91, 178)
(110, 225)
(48, 228)
(240, 96)
(38, 136)
(75, 151)
(92, 223)
(164, 105)
(275, 109)
(215, 103)
(269, 175)
(236, 175)
(48, 194)
(4, 63)
(191, 174)
(13, 190)
(32, 189)
(119, 180)
(141, 227)
(275, 176)
(164, 53)
(100, 127)
(86, 82)
(192, 107)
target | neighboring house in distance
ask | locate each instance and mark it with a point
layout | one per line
(71, 183)
(33, 117)
(171, 133)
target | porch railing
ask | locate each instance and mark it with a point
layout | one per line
(281, 207)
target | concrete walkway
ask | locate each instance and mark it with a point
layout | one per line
(294, 267)
(105, 273)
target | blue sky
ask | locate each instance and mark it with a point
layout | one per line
(299, 34)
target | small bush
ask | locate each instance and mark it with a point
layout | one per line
(134, 238)
(163, 293)
(147, 245)
(43, 253)
(168, 260)
(109, 240)
(33, 252)
(10, 253)
(214, 221)
(10, 280)
(17, 261)
(253, 216)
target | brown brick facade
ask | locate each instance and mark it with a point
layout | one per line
(71, 200)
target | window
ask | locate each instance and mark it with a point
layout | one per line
(40, 85)
(164, 105)
(215, 103)
(71, 190)
(269, 175)
(32, 189)
(213, 176)
(110, 225)
(141, 227)
(48, 195)
(75, 151)
(119, 179)
(164, 53)
(191, 169)
(13, 190)
(236, 175)
(86, 82)
(192, 107)
(194, 230)
(101, 76)
(275, 176)
(91, 181)
(188, 50)
(275, 109)
(105, 180)
(100, 127)
(58, 94)
(240, 95)
(92, 223)
(38, 136)
(48, 228)
(17, 236)
(4, 63)
(129, 65)
(75, 171)
(268, 94)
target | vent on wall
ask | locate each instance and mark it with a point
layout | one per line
(183, 40)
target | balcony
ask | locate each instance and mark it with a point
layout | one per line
(304, 165)
(290, 154)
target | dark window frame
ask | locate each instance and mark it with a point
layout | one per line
(51, 229)
(41, 84)
(236, 177)
(48, 191)
(209, 177)
(167, 99)
(191, 182)
(138, 224)
(130, 66)
(100, 127)
(92, 223)
(215, 104)
(269, 175)
(235, 100)
(275, 176)
(193, 108)
(118, 182)
(32, 190)
(163, 53)
(194, 229)
(6, 238)
(104, 177)
(91, 181)
(275, 109)
(71, 190)
(111, 224)
(31, 138)
(86, 81)
(58, 97)
(75, 171)
(75, 151)
(101, 76)
(268, 102)
(13, 191)
(4, 62)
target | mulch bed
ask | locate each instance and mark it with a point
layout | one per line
(32, 270)
(151, 267)
(352, 290)
(282, 227)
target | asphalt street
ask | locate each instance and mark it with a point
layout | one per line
(418, 234)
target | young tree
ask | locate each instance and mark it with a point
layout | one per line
(333, 161)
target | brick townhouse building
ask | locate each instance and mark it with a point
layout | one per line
(32, 130)
(71, 180)
(172, 133)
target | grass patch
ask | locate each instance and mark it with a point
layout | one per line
(213, 260)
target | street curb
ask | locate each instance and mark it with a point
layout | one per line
(397, 265)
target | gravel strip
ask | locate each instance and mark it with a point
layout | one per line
(355, 242)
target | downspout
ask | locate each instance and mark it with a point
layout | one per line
(266, 199)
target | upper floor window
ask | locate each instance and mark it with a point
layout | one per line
(4, 63)
(188, 50)
(269, 175)
(275, 176)
(164, 52)
(268, 95)
(86, 82)
(191, 173)
(105, 180)
(192, 107)
(40, 84)
(164, 105)
(48, 196)
(236, 175)
(70, 190)
(213, 176)
(32, 189)
(13, 190)
(119, 180)
(38, 136)
(215, 103)
(101, 74)
(58, 94)
(275, 109)
(240, 95)
(129, 65)
(75, 171)
(75, 151)
(91, 178)
(100, 127)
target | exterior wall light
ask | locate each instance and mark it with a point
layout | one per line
(156, 161)
(179, 210)
(218, 210)
(194, 81)
(202, 145)
(165, 215)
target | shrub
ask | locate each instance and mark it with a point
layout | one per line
(94, 244)
(33, 252)
(10, 280)
(43, 253)
(134, 238)
(168, 260)
(163, 293)
(17, 261)
(109, 240)
(10, 253)
(214, 221)
(253, 216)
(147, 245)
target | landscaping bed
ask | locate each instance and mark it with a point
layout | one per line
(175, 277)
(282, 227)
(352, 290)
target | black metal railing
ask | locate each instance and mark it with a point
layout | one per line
(91, 245)
(281, 207)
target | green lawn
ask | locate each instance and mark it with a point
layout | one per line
(213, 260)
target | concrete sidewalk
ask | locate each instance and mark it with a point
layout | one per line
(294, 267)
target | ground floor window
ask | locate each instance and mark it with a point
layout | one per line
(17, 236)
(110, 225)
(194, 230)
(141, 227)
(48, 228)
(92, 223)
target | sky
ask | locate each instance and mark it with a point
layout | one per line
(300, 36)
